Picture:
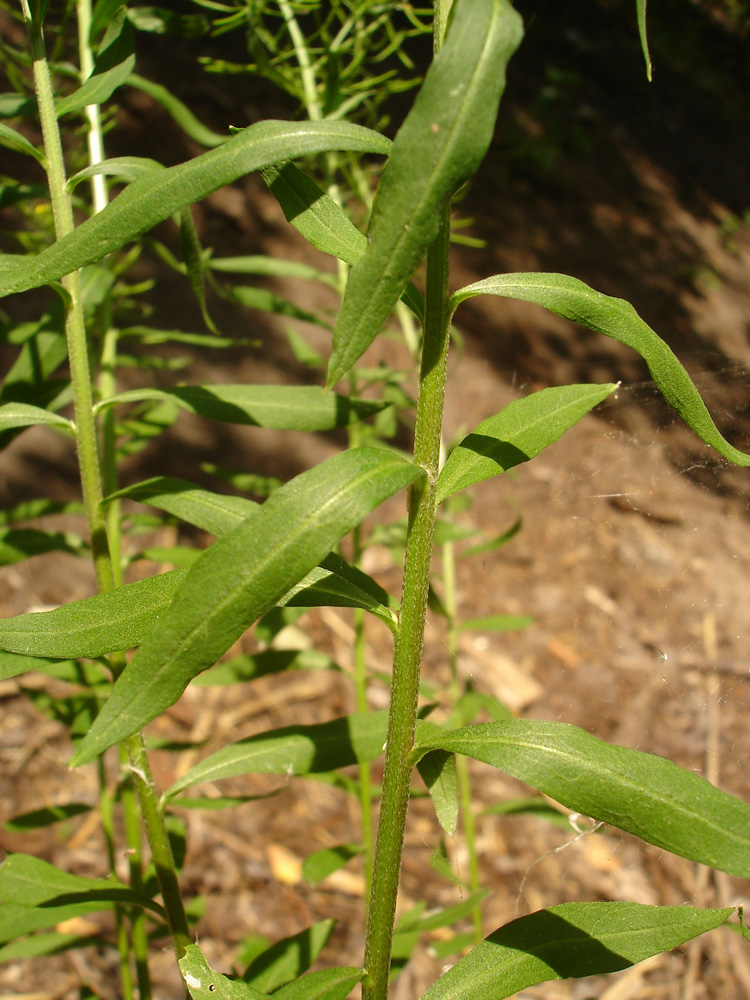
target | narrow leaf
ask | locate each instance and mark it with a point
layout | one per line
(16, 919)
(246, 667)
(287, 959)
(94, 626)
(242, 576)
(17, 544)
(638, 792)
(517, 433)
(203, 983)
(440, 145)
(52, 943)
(23, 415)
(321, 864)
(179, 112)
(124, 168)
(640, 6)
(45, 817)
(616, 318)
(113, 65)
(497, 623)
(29, 881)
(438, 771)
(569, 942)
(304, 408)
(14, 140)
(155, 197)
(327, 984)
(13, 665)
(294, 750)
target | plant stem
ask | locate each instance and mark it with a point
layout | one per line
(407, 655)
(106, 797)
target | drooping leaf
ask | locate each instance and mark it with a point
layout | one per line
(45, 817)
(321, 864)
(124, 168)
(304, 408)
(180, 112)
(569, 942)
(157, 196)
(22, 415)
(517, 433)
(439, 146)
(52, 943)
(640, 6)
(17, 920)
(241, 577)
(93, 626)
(273, 266)
(287, 959)
(438, 771)
(572, 299)
(113, 65)
(327, 984)
(638, 792)
(195, 264)
(14, 140)
(29, 881)
(294, 750)
(203, 983)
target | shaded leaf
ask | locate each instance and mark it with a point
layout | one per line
(23, 415)
(638, 792)
(124, 168)
(569, 942)
(13, 664)
(640, 6)
(14, 140)
(439, 146)
(45, 817)
(247, 667)
(17, 920)
(17, 544)
(516, 434)
(438, 771)
(294, 750)
(572, 299)
(113, 65)
(48, 944)
(204, 983)
(321, 864)
(180, 112)
(289, 958)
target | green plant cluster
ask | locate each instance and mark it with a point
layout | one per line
(269, 560)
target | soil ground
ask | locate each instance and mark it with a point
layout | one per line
(634, 550)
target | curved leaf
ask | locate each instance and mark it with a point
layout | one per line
(517, 433)
(638, 792)
(114, 63)
(569, 942)
(288, 958)
(241, 577)
(180, 112)
(303, 408)
(616, 318)
(640, 6)
(294, 750)
(440, 145)
(14, 140)
(23, 415)
(157, 196)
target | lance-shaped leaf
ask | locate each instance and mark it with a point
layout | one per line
(29, 881)
(14, 140)
(114, 64)
(569, 942)
(94, 626)
(204, 983)
(157, 196)
(52, 943)
(572, 299)
(638, 792)
(124, 168)
(303, 408)
(23, 415)
(180, 112)
(640, 6)
(16, 919)
(440, 145)
(287, 959)
(438, 771)
(294, 750)
(517, 433)
(241, 577)
(327, 984)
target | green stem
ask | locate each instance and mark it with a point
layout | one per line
(121, 931)
(407, 655)
(133, 845)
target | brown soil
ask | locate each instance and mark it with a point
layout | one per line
(632, 559)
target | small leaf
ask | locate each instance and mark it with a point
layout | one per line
(294, 750)
(327, 984)
(16, 919)
(124, 168)
(94, 626)
(638, 792)
(17, 544)
(195, 264)
(221, 802)
(246, 667)
(203, 983)
(569, 942)
(440, 145)
(438, 771)
(48, 944)
(517, 433)
(240, 577)
(23, 415)
(287, 959)
(640, 6)
(29, 881)
(14, 140)
(45, 817)
(497, 623)
(112, 67)
(321, 864)
(572, 299)
(157, 196)
(304, 408)
(179, 112)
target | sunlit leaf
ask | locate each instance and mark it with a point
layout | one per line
(203, 983)
(114, 63)
(23, 415)
(52, 943)
(287, 959)
(321, 864)
(327, 984)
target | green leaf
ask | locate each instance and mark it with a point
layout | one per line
(179, 112)
(272, 266)
(195, 264)
(48, 944)
(640, 6)
(94, 626)
(497, 623)
(240, 577)
(112, 67)
(124, 168)
(45, 817)
(17, 544)
(304, 408)
(221, 802)
(23, 415)
(157, 196)
(438, 771)
(569, 942)
(203, 983)
(616, 318)
(16, 919)
(294, 750)
(516, 434)
(638, 792)
(14, 140)
(13, 665)
(29, 881)
(439, 146)
(246, 667)
(287, 959)
(321, 864)
(327, 984)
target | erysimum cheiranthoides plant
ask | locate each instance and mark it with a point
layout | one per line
(283, 551)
